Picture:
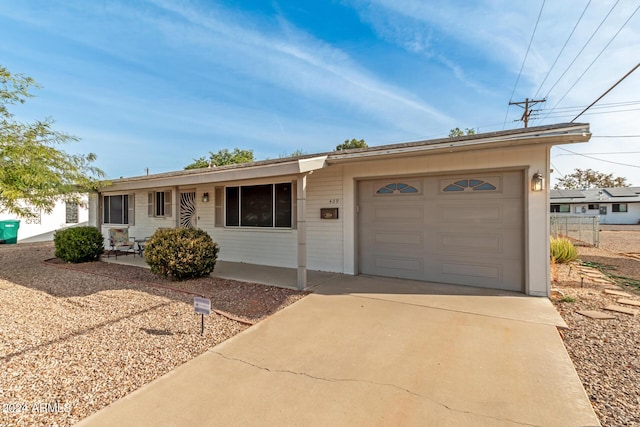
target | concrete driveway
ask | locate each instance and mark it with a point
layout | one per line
(377, 352)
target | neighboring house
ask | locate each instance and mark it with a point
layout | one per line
(619, 205)
(458, 210)
(41, 227)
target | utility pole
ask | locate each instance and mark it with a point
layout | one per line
(527, 104)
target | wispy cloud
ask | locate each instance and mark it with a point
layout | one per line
(296, 61)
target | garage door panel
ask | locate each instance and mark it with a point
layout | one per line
(505, 212)
(396, 213)
(403, 265)
(411, 241)
(476, 270)
(466, 214)
(481, 245)
(496, 277)
(468, 242)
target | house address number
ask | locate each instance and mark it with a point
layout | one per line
(334, 201)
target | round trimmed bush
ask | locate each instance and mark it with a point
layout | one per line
(78, 244)
(181, 253)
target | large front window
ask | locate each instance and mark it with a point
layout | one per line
(266, 205)
(116, 209)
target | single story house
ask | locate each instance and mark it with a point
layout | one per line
(619, 205)
(42, 225)
(466, 210)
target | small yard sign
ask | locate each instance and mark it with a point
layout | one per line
(202, 305)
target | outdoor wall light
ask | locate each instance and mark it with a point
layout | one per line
(205, 197)
(537, 182)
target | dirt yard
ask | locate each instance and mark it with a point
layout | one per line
(606, 353)
(75, 338)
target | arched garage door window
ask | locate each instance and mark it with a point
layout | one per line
(469, 185)
(397, 188)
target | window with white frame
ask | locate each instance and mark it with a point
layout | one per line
(619, 207)
(159, 203)
(118, 209)
(594, 206)
(267, 205)
(561, 208)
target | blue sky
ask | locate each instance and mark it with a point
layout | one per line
(154, 84)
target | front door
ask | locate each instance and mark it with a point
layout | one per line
(188, 217)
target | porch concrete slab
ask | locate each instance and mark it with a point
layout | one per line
(267, 275)
(348, 359)
(244, 272)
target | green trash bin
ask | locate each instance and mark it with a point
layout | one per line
(9, 231)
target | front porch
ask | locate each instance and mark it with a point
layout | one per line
(244, 272)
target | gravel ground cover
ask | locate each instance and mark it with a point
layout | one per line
(606, 353)
(73, 340)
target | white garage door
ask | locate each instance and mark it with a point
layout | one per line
(465, 229)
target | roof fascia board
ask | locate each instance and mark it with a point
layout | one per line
(209, 176)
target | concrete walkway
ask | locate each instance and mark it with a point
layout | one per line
(376, 352)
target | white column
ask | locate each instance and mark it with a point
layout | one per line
(176, 205)
(302, 231)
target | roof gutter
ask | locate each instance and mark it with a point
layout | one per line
(568, 135)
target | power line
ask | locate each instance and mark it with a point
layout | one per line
(607, 110)
(523, 62)
(583, 47)
(558, 115)
(595, 158)
(615, 136)
(598, 56)
(608, 105)
(555, 169)
(602, 154)
(610, 89)
(562, 50)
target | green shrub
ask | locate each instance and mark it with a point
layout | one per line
(562, 250)
(78, 244)
(181, 253)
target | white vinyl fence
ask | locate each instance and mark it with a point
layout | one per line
(584, 228)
